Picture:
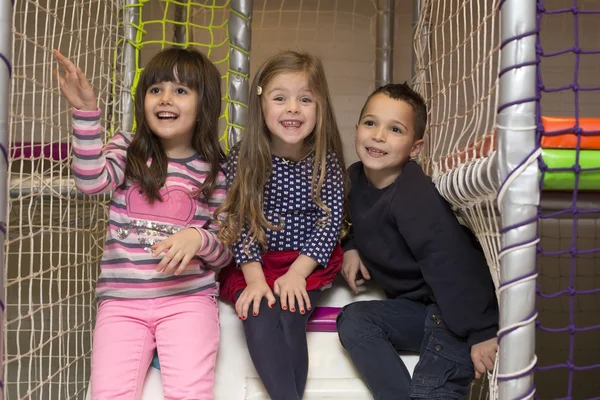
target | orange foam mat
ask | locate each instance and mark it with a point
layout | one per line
(478, 148)
(568, 139)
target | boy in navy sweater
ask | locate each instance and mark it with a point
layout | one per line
(405, 238)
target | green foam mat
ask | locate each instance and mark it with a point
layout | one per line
(565, 180)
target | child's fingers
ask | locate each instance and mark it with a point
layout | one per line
(282, 298)
(66, 64)
(59, 78)
(256, 305)
(161, 246)
(364, 271)
(351, 279)
(176, 260)
(183, 264)
(291, 301)
(480, 368)
(82, 79)
(240, 305)
(353, 286)
(489, 363)
(299, 298)
(59, 57)
(270, 299)
(165, 260)
(253, 300)
(172, 264)
(306, 300)
(277, 288)
(243, 305)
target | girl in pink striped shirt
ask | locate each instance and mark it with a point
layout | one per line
(157, 285)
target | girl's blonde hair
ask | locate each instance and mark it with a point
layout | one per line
(244, 202)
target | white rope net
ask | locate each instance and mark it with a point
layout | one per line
(457, 44)
(54, 237)
(457, 48)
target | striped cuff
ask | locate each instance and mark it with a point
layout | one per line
(84, 113)
(206, 245)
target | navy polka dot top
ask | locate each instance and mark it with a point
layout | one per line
(287, 200)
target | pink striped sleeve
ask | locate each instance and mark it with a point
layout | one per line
(213, 251)
(96, 168)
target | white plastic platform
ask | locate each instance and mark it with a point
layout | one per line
(331, 374)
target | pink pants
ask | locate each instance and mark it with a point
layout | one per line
(184, 330)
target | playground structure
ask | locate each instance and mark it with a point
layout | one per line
(511, 144)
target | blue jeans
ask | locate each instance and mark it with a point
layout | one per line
(373, 332)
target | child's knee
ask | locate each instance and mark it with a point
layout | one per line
(354, 324)
(261, 326)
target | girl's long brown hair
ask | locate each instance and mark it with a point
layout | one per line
(244, 202)
(194, 70)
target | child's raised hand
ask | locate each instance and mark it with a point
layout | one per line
(182, 247)
(253, 293)
(483, 356)
(351, 265)
(75, 85)
(291, 287)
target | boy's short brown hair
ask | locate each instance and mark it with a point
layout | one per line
(403, 92)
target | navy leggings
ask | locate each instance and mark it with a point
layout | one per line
(277, 344)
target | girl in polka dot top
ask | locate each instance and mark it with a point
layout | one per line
(283, 215)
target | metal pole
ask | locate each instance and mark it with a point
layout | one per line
(518, 198)
(240, 31)
(416, 13)
(421, 47)
(180, 30)
(420, 66)
(131, 19)
(6, 14)
(384, 46)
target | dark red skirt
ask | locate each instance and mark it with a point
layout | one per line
(275, 264)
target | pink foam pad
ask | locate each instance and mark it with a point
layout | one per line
(28, 150)
(323, 319)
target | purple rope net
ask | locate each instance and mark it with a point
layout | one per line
(568, 325)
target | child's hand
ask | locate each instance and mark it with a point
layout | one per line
(290, 287)
(182, 246)
(75, 85)
(253, 293)
(351, 265)
(483, 356)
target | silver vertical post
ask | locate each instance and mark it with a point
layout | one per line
(131, 19)
(6, 14)
(416, 13)
(239, 28)
(384, 46)
(179, 31)
(518, 198)
(420, 54)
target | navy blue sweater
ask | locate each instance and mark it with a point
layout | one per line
(414, 247)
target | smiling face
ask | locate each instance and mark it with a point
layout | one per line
(170, 110)
(385, 138)
(290, 113)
